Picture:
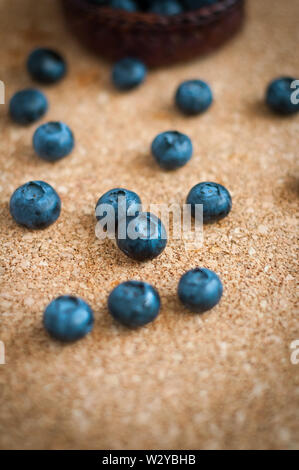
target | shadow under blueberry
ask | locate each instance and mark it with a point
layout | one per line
(259, 108)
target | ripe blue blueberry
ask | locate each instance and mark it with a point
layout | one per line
(134, 303)
(166, 7)
(215, 199)
(172, 149)
(143, 237)
(193, 97)
(46, 66)
(27, 106)
(128, 5)
(35, 205)
(122, 201)
(200, 289)
(53, 141)
(128, 73)
(280, 96)
(68, 318)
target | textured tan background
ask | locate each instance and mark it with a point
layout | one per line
(222, 380)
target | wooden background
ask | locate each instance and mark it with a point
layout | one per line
(222, 380)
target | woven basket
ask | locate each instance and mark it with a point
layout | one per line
(155, 39)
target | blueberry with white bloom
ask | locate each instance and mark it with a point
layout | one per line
(128, 73)
(172, 149)
(35, 205)
(46, 65)
(134, 303)
(68, 318)
(282, 97)
(53, 141)
(27, 106)
(143, 237)
(200, 290)
(193, 97)
(215, 200)
(123, 203)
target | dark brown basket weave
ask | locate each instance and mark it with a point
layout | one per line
(155, 39)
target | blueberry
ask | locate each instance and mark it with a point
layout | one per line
(46, 66)
(166, 7)
(134, 303)
(128, 73)
(53, 141)
(68, 318)
(196, 4)
(35, 205)
(193, 97)
(279, 96)
(215, 199)
(143, 237)
(27, 106)
(128, 5)
(172, 149)
(200, 289)
(122, 201)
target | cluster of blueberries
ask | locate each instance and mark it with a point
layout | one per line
(159, 7)
(37, 205)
